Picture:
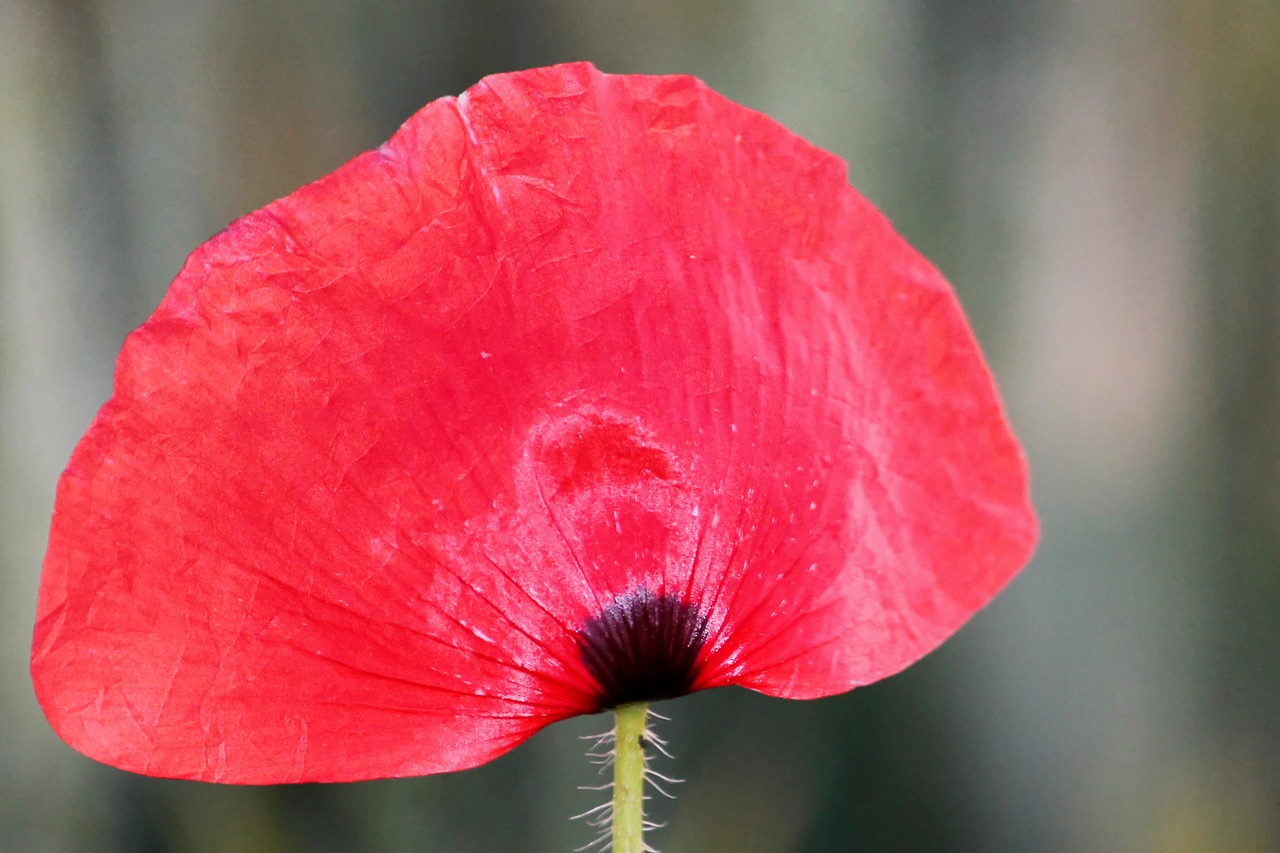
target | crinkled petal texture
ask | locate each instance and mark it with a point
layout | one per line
(389, 443)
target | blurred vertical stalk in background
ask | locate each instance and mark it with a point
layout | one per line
(1232, 51)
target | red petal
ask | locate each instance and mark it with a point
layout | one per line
(390, 442)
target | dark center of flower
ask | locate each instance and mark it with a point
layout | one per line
(643, 647)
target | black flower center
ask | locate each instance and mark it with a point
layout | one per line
(643, 647)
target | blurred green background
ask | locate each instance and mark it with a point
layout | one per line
(1100, 180)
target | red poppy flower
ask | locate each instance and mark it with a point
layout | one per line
(582, 389)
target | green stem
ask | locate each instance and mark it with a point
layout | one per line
(628, 778)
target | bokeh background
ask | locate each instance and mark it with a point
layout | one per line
(1099, 178)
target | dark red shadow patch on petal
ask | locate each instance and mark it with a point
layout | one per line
(643, 647)
(603, 451)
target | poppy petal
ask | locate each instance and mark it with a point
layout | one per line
(576, 366)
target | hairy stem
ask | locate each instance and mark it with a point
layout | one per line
(628, 778)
